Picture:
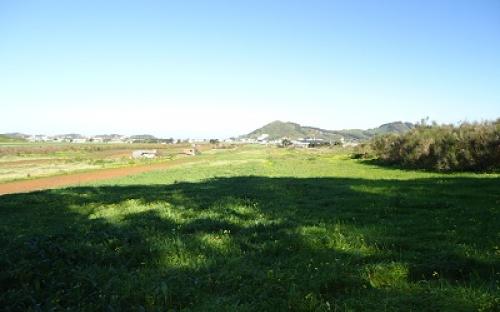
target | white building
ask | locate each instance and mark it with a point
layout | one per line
(97, 140)
(263, 137)
(145, 154)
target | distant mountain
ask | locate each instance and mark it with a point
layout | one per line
(392, 127)
(13, 137)
(279, 129)
(16, 135)
(6, 138)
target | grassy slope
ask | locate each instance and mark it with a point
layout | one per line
(257, 230)
(7, 139)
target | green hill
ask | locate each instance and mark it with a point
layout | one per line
(7, 138)
(279, 129)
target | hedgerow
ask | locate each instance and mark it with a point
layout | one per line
(466, 147)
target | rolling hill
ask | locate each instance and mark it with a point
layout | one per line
(279, 129)
(12, 138)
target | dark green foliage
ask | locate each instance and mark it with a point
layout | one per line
(319, 144)
(285, 143)
(468, 147)
(362, 151)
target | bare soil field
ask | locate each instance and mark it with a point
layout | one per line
(42, 160)
(84, 177)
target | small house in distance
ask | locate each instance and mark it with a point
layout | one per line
(193, 151)
(144, 154)
(190, 151)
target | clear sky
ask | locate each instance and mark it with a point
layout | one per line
(223, 68)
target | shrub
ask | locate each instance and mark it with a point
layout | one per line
(467, 147)
(285, 143)
(362, 151)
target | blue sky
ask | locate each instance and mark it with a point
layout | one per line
(223, 68)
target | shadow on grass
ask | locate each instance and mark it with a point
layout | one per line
(395, 166)
(254, 243)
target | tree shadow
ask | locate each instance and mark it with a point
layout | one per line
(253, 243)
(376, 162)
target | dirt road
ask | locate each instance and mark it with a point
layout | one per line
(84, 177)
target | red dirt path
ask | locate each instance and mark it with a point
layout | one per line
(84, 177)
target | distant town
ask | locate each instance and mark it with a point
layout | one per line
(276, 132)
(123, 139)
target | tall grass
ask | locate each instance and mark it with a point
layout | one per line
(467, 147)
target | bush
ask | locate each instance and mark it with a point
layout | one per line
(362, 151)
(285, 143)
(467, 147)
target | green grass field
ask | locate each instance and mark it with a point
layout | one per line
(257, 229)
